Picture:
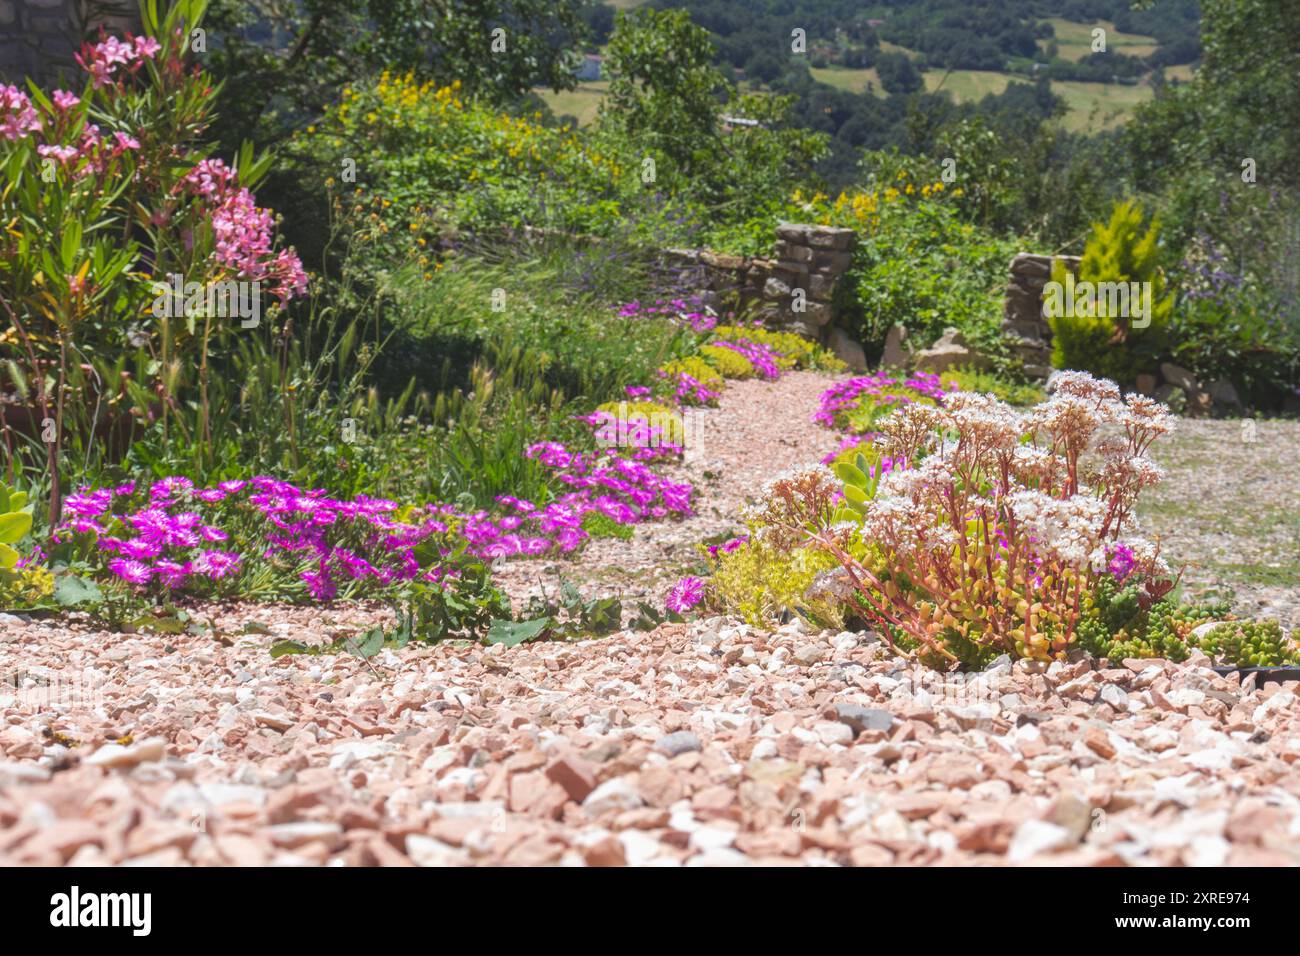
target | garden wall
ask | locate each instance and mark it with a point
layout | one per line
(1023, 310)
(794, 291)
(39, 37)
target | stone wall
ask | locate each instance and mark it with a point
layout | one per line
(39, 37)
(1023, 310)
(794, 291)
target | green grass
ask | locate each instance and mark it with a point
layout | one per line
(851, 81)
(967, 86)
(1098, 106)
(1074, 40)
(583, 102)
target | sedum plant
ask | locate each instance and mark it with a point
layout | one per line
(1001, 523)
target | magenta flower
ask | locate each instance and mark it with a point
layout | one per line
(684, 595)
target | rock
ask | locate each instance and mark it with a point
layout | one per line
(683, 741)
(426, 851)
(614, 794)
(830, 237)
(810, 654)
(292, 835)
(1171, 395)
(1146, 383)
(575, 775)
(1072, 814)
(1032, 266)
(1038, 836)
(607, 851)
(1178, 377)
(793, 233)
(115, 755)
(1097, 739)
(774, 288)
(863, 718)
(846, 348)
(1223, 394)
(896, 354)
(834, 733)
(948, 352)
(1116, 696)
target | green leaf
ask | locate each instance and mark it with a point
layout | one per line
(70, 590)
(8, 556)
(281, 648)
(370, 645)
(850, 475)
(511, 633)
(13, 526)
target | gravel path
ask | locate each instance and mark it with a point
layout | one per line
(702, 744)
(1230, 507)
(707, 743)
(759, 430)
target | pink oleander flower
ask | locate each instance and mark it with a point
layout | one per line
(684, 595)
(64, 101)
(17, 115)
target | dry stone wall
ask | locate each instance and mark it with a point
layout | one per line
(795, 290)
(39, 37)
(1022, 312)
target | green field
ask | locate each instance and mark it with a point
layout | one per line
(1074, 40)
(967, 86)
(851, 81)
(582, 102)
(1098, 106)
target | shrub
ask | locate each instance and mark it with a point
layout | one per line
(857, 405)
(1004, 389)
(728, 362)
(792, 350)
(1101, 336)
(656, 421)
(690, 381)
(115, 198)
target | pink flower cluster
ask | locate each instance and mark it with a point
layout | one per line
(880, 388)
(102, 59)
(636, 436)
(764, 358)
(689, 390)
(244, 232)
(167, 540)
(17, 115)
(681, 311)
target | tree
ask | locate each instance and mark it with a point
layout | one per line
(897, 73)
(664, 89)
(281, 62)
